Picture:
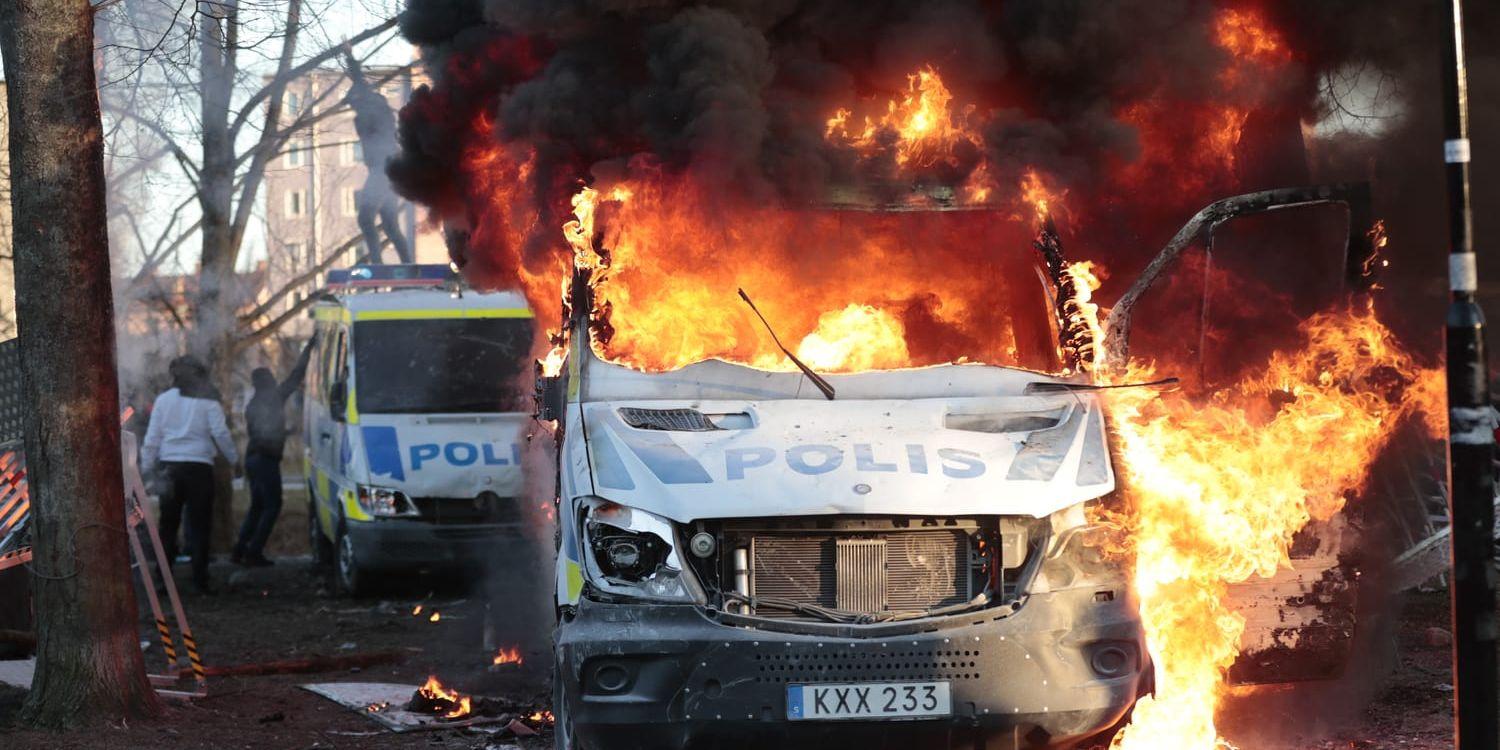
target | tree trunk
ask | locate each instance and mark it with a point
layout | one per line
(215, 324)
(89, 664)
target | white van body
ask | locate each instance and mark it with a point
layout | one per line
(413, 425)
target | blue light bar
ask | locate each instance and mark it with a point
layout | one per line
(395, 275)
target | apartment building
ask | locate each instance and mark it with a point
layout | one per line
(312, 188)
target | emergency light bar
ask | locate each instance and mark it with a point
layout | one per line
(366, 276)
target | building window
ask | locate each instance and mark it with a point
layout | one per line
(351, 201)
(296, 153)
(354, 152)
(296, 203)
(293, 251)
(292, 103)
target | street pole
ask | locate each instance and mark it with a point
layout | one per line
(1471, 441)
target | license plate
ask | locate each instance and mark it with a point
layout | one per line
(868, 700)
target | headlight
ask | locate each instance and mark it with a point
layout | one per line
(1082, 552)
(630, 553)
(385, 502)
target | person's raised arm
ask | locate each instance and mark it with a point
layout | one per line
(299, 371)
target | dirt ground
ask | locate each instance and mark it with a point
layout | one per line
(288, 612)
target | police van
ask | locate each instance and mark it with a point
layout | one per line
(894, 557)
(413, 421)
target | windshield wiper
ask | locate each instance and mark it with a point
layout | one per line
(1044, 387)
(816, 379)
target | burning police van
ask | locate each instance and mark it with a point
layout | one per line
(413, 421)
(914, 554)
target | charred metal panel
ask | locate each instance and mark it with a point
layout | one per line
(1299, 624)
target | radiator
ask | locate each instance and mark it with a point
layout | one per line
(895, 571)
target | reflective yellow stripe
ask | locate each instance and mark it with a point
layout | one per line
(352, 511)
(331, 313)
(575, 582)
(351, 407)
(499, 312)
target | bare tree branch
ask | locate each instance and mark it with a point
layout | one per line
(254, 337)
(264, 308)
(190, 168)
(279, 82)
(257, 170)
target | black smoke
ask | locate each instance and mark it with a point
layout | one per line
(736, 94)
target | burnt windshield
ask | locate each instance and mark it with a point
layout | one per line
(441, 366)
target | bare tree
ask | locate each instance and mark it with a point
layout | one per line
(241, 125)
(221, 68)
(89, 664)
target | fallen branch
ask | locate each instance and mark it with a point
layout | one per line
(310, 665)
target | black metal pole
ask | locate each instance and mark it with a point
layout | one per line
(1471, 441)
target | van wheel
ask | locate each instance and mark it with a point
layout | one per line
(562, 724)
(317, 541)
(352, 578)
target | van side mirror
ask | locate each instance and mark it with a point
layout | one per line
(338, 400)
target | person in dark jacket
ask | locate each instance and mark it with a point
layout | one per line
(265, 423)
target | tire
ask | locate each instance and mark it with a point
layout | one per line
(349, 574)
(562, 724)
(317, 541)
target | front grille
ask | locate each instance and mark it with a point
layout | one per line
(891, 571)
(867, 663)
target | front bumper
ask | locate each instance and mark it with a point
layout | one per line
(649, 676)
(401, 543)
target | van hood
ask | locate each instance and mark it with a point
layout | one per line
(450, 455)
(1008, 455)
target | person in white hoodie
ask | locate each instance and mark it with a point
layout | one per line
(187, 428)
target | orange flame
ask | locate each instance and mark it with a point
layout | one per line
(510, 655)
(1036, 194)
(858, 337)
(673, 259)
(434, 690)
(461, 710)
(1219, 486)
(926, 128)
(1194, 143)
(1087, 277)
(552, 364)
(1245, 34)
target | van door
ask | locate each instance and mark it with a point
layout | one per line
(324, 419)
(1302, 623)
